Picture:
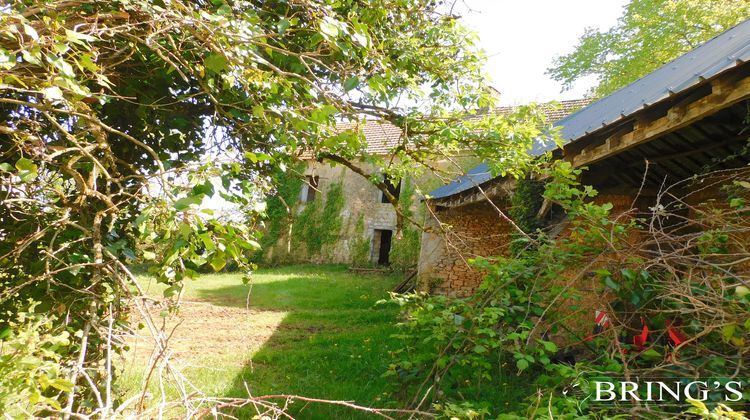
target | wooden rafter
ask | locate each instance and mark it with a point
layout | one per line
(724, 93)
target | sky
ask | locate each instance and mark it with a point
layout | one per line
(521, 38)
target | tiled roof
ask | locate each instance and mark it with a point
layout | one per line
(382, 137)
(552, 110)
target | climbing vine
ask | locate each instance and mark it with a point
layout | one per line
(525, 202)
(319, 224)
(405, 250)
(360, 247)
(280, 207)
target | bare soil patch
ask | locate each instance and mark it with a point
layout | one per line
(202, 330)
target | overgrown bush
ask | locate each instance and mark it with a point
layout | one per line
(679, 270)
(31, 375)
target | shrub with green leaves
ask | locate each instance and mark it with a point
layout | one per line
(683, 279)
(31, 375)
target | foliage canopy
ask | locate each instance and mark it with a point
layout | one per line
(649, 34)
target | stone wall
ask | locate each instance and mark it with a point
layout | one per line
(478, 230)
(474, 230)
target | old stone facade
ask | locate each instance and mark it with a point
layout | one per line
(362, 205)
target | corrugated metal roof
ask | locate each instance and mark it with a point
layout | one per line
(721, 53)
(474, 177)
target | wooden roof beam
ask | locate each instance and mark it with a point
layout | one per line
(725, 92)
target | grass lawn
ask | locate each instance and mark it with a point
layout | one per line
(310, 330)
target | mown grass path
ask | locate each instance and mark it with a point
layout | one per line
(306, 330)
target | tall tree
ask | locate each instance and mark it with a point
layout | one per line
(649, 34)
(115, 117)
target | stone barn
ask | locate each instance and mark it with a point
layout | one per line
(366, 221)
(689, 117)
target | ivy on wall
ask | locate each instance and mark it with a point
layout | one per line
(319, 224)
(280, 207)
(405, 250)
(525, 202)
(317, 227)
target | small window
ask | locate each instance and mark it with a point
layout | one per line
(309, 189)
(395, 190)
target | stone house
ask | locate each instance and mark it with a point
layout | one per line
(688, 117)
(366, 232)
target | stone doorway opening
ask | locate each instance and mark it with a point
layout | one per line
(381, 246)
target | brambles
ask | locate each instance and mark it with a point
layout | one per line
(671, 281)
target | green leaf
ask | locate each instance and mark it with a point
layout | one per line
(128, 253)
(63, 66)
(727, 331)
(360, 39)
(149, 255)
(6, 167)
(77, 37)
(207, 188)
(611, 284)
(651, 354)
(62, 385)
(282, 26)
(549, 346)
(172, 290)
(186, 202)
(259, 112)
(25, 164)
(480, 349)
(218, 262)
(329, 27)
(34, 56)
(53, 94)
(30, 31)
(7, 59)
(216, 63)
(351, 83)
(522, 364)
(27, 169)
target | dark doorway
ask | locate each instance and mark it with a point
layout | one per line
(383, 241)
